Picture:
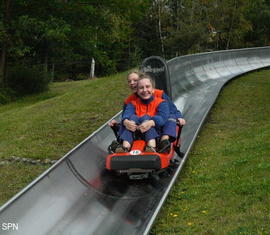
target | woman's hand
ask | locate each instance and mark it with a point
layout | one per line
(112, 123)
(182, 121)
(145, 126)
(130, 125)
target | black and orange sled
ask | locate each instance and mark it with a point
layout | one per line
(138, 164)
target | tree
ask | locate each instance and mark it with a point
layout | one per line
(188, 30)
(118, 34)
(227, 17)
(259, 33)
(28, 31)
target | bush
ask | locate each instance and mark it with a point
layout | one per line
(6, 95)
(3, 97)
(81, 76)
(27, 80)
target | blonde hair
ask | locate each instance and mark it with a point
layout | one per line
(134, 71)
(146, 76)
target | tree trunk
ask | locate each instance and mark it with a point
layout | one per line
(92, 69)
(3, 65)
(159, 28)
(3, 59)
(46, 58)
(52, 73)
(231, 26)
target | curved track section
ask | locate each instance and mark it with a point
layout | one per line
(76, 195)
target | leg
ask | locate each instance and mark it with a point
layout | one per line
(150, 138)
(150, 135)
(169, 129)
(151, 146)
(126, 144)
(152, 143)
(168, 135)
(126, 137)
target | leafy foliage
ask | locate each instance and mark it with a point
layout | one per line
(6, 95)
(258, 13)
(26, 80)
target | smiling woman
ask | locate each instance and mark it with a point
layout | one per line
(145, 87)
(147, 113)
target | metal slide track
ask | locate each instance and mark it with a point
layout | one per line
(76, 195)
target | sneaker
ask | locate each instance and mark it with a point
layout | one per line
(164, 146)
(121, 149)
(149, 149)
(112, 147)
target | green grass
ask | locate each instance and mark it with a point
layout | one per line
(48, 125)
(225, 184)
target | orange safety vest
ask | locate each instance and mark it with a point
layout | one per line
(150, 109)
(157, 93)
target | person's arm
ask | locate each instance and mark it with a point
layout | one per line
(174, 111)
(127, 101)
(162, 114)
(112, 123)
(158, 120)
(172, 107)
(123, 109)
(129, 124)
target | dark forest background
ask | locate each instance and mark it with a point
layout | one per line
(60, 39)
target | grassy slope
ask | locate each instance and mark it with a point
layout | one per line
(50, 124)
(224, 187)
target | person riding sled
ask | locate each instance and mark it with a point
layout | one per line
(168, 132)
(145, 114)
